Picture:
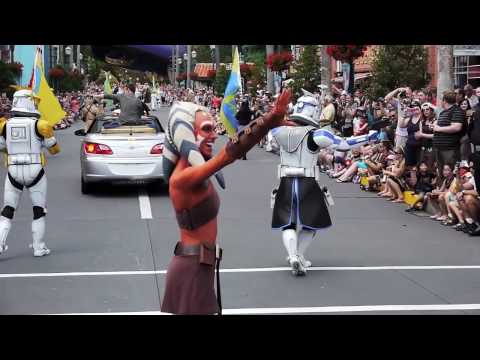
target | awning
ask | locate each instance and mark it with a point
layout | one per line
(357, 77)
(201, 69)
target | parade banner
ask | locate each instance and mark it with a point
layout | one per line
(228, 108)
(49, 106)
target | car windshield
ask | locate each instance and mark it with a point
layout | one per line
(112, 125)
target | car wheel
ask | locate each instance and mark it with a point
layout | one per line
(86, 187)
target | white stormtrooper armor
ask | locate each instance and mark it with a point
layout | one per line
(25, 161)
(295, 157)
(298, 162)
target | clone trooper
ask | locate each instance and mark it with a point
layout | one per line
(22, 137)
(299, 207)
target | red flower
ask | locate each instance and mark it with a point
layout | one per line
(56, 73)
(246, 70)
(346, 53)
(279, 61)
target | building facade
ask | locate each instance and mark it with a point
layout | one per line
(466, 65)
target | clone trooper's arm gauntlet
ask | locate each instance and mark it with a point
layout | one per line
(258, 128)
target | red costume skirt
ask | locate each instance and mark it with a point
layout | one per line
(189, 288)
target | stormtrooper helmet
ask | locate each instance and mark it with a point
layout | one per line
(24, 102)
(306, 110)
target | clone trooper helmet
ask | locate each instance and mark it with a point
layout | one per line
(306, 111)
(24, 102)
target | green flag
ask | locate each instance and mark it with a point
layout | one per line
(107, 89)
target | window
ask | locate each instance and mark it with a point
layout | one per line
(467, 70)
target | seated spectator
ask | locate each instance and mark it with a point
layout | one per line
(469, 204)
(351, 166)
(437, 196)
(464, 183)
(376, 163)
(424, 180)
(395, 182)
(450, 197)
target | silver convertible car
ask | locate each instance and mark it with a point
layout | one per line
(114, 151)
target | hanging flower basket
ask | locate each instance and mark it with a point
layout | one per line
(279, 61)
(346, 53)
(16, 68)
(56, 73)
(246, 70)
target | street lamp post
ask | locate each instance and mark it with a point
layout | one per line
(189, 64)
(187, 68)
(179, 62)
(194, 55)
(68, 52)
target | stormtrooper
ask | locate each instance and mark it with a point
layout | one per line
(22, 137)
(300, 203)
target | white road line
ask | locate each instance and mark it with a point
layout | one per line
(273, 269)
(318, 309)
(145, 209)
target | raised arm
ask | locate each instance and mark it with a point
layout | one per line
(324, 139)
(233, 150)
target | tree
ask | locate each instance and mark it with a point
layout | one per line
(307, 73)
(396, 66)
(221, 80)
(258, 71)
(204, 53)
(7, 78)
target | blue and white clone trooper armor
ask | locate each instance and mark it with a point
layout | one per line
(300, 203)
(22, 137)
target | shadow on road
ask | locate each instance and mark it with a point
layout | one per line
(128, 190)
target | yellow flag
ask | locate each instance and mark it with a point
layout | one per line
(49, 107)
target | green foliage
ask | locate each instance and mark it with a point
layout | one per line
(204, 54)
(225, 53)
(396, 66)
(221, 80)
(307, 73)
(7, 78)
(72, 81)
(259, 70)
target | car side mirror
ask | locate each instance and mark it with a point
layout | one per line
(80, 132)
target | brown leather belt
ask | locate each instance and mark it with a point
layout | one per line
(201, 250)
(186, 250)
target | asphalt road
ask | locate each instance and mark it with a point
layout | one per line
(106, 258)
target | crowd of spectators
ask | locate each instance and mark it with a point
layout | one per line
(426, 152)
